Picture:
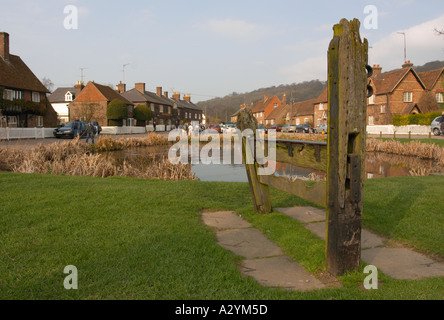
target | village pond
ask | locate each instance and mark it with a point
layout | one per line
(377, 165)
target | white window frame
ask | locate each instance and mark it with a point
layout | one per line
(439, 97)
(8, 94)
(36, 97)
(383, 108)
(321, 107)
(298, 121)
(68, 96)
(371, 100)
(371, 120)
(305, 120)
(160, 108)
(12, 120)
(408, 96)
(152, 107)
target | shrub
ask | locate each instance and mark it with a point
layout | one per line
(116, 112)
(142, 114)
(423, 119)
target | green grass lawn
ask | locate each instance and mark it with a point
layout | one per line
(144, 239)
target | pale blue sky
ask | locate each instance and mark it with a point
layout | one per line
(209, 48)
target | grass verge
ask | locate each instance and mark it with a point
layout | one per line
(144, 239)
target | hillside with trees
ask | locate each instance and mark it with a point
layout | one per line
(221, 109)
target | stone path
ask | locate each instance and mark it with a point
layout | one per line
(398, 263)
(268, 264)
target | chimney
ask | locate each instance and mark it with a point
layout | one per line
(376, 69)
(187, 98)
(78, 88)
(4, 45)
(407, 64)
(140, 87)
(165, 94)
(121, 87)
(176, 95)
(284, 99)
(159, 91)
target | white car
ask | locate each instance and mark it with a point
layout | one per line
(436, 129)
(229, 128)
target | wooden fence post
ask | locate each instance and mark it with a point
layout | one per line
(260, 192)
(347, 91)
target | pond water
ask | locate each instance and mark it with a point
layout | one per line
(377, 165)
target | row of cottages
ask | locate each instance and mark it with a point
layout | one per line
(23, 101)
(90, 102)
(398, 92)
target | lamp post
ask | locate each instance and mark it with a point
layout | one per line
(405, 46)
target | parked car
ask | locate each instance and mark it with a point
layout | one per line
(215, 127)
(229, 128)
(97, 125)
(321, 128)
(277, 127)
(435, 125)
(303, 128)
(260, 127)
(67, 130)
(289, 128)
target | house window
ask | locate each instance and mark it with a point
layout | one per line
(275, 105)
(298, 121)
(408, 96)
(195, 116)
(321, 107)
(152, 107)
(131, 122)
(169, 110)
(439, 97)
(161, 109)
(8, 95)
(36, 97)
(39, 121)
(68, 96)
(12, 120)
(200, 117)
(371, 100)
(383, 108)
(371, 120)
(186, 115)
(305, 120)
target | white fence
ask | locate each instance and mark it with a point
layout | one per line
(25, 133)
(390, 129)
(123, 130)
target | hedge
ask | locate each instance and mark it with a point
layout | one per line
(422, 119)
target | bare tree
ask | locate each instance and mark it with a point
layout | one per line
(87, 111)
(48, 84)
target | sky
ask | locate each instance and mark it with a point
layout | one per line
(210, 48)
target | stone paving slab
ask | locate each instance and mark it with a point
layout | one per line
(398, 263)
(224, 220)
(249, 243)
(281, 272)
(401, 263)
(265, 261)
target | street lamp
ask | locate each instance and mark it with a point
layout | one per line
(405, 46)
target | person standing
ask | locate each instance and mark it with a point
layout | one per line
(154, 125)
(90, 132)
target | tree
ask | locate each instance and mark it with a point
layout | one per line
(142, 114)
(87, 111)
(116, 112)
(48, 84)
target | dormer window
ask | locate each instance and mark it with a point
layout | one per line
(68, 96)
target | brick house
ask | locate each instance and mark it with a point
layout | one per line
(92, 102)
(396, 93)
(320, 111)
(161, 106)
(262, 109)
(303, 112)
(280, 115)
(434, 83)
(187, 111)
(23, 101)
(62, 97)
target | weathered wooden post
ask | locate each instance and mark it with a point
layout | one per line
(347, 91)
(260, 192)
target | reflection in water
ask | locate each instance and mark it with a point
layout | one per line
(377, 165)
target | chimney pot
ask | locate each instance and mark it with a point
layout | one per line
(121, 87)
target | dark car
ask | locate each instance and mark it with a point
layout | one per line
(303, 128)
(97, 125)
(277, 127)
(67, 130)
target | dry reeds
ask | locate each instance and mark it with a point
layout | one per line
(415, 149)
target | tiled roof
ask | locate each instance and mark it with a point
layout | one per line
(136, 96)
(387, 82)
(279, 112)
(187, 105)
(59, 94)
(304, 108)
(110, 94)
(15, 74)
(323, 97)
(429, 78)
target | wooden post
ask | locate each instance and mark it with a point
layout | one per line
(347, 90)
(259, 191)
